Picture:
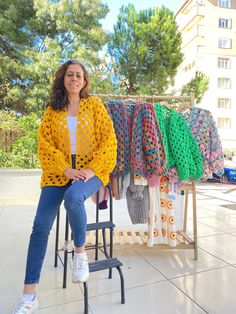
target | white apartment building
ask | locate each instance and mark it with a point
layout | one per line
(209, 45)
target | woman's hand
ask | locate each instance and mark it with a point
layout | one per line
(87, 173)
(75, 174)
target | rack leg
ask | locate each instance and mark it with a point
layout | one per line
(195, 223)
(185, 210)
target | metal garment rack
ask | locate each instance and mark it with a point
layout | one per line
(179, 103)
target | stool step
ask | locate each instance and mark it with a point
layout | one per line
(100, 225)
(104, 264)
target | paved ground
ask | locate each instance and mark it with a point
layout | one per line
(157, 281)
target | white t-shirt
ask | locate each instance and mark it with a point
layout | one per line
(72, 124)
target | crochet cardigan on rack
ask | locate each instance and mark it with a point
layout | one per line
(117, 112)
(96, 142)
(147, 152)
(204, 130)
(182, 149)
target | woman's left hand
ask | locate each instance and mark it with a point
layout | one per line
(87, 173)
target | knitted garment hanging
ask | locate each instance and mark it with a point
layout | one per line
(147, 155)
(204, 130)
(137, 198)
(182, 149)
(117, 112)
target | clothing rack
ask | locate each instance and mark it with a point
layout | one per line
(184, 241)
(187, 99)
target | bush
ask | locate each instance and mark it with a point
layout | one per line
(23, 152)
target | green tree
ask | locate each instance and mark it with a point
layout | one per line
(21, 149)
(24, 152)
(38, 35)
(147, 48)
(198, 85)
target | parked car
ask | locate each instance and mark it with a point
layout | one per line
(229, 175)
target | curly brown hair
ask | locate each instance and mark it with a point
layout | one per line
(59, 97)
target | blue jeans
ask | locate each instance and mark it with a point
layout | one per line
(50, 200)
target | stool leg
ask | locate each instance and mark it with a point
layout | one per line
(57, 238)
(111, 230)
(104, 243)
(85, 298)
(96, 232)
(122, 285)
(65, 253)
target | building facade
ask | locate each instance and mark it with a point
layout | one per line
(209, 45)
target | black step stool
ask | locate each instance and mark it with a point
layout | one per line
(108, 263)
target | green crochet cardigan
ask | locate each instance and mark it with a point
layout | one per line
(182, 150)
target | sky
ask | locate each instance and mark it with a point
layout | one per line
(115, 5)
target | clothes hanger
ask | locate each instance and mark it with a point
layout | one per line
(183, 106)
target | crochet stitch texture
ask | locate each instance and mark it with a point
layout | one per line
(147, 155)
(117, 112)
(183, 151)
(96, 142)
(204, 130)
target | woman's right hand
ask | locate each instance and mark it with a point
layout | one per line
(74, 174)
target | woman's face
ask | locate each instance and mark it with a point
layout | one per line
(74, 79)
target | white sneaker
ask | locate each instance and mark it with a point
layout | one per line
(80, 270)
(22, 307)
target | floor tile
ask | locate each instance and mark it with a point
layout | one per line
(202, 229)
(223, 223)
(11, 216)
(50, 292)
(76, 307)
(222, 246)
(160, 297)
(11, 285)
(218, 210)
(135, 269)
(15, 231)
(213, 290)
(19, 247)
(174, 263)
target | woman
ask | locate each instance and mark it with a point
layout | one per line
(77, 150)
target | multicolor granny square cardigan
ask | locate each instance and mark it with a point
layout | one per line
(140, 144)
(204, 130)
(147, 152)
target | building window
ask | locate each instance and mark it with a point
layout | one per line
(224, 123)
(224, 103)
(224, 43)
(224, 3)
(224, 83)
(224, 23)
(224, 63)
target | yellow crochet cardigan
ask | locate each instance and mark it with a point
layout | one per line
(96, 145)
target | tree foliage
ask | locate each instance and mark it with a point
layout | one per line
(38, 35)
(18, 144)
(198, 85)
(147, 48)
